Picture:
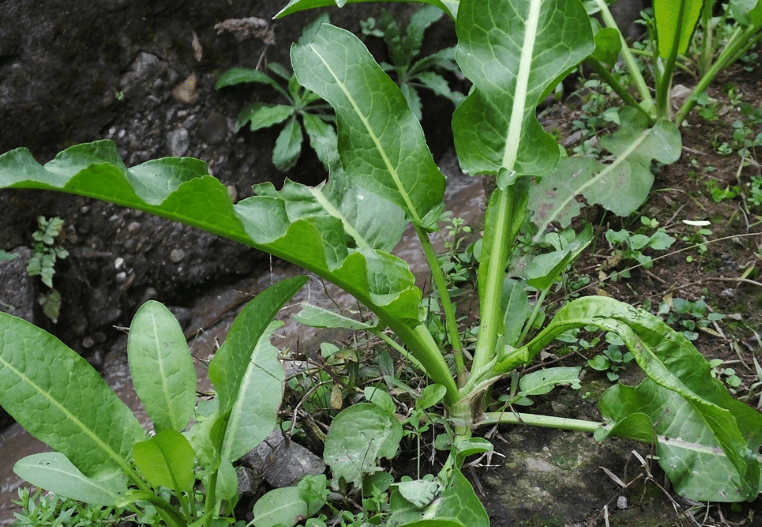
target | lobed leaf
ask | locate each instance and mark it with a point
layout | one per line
(182, 190)
(381, 143)
(621, 186)
(512, 51)
(61, 400)
(161, 367)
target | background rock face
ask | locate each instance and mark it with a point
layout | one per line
(141, 73)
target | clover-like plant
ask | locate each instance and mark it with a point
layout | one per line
(385, 179)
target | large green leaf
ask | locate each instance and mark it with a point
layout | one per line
(161, 367)
(294, 6)
(651, 413)
(675, 22)
(359, 436)
(381, 143)
(53, 472)
(513, 50)
(182, 190)
(716, 419)
(621, 186)
(61, 400)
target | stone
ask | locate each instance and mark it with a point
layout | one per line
(178, 142)
(214, 129)
(283, 463)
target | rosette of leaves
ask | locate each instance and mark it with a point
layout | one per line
(404, 46)
(316, 116)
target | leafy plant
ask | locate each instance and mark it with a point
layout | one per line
(404, 46)
(634, 244)
(686, 316)
(48, 510)
(316, 122)
(386, 179)
(45, 252)
(612, 360)
(102, 456)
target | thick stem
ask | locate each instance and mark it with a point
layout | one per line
(493, 283)
(449, 309)
(546, 421)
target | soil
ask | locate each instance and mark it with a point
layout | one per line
(110, 71)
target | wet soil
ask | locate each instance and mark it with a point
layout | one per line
(116, 82)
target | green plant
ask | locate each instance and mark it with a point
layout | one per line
(344, 230)
(183, 474)
(316, 122)
(45, 252)
(720, 194)
(404, 46)
(635, 243)
(686, 316)
(47, 510)
(755, 190)
(726, 375)
(612, 360)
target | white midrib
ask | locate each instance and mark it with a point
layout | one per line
(389, 166)
(513, 136)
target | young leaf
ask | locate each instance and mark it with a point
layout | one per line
(161, 367)
(512, 51)
(621, 186)
(358, 437)
(381, 143)
(166, 460)
(238, 75)
(317, 317)
(515, 306)
(259, 115)
(543, 381)
(288, 145)
(53, 472)
(50, 390)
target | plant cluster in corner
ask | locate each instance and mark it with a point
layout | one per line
(383, 180)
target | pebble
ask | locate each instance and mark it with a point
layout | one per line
(621, 502)
(214, 129)
(728, 293)
(178, 142)
(176, 255)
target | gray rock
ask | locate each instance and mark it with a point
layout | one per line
(16, 286)
(178, 142)
(282, 462)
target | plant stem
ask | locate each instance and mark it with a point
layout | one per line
(629, 59)
(606, 75)
(546, 421)
(493, 281)
(736, 47)
(402, 351)
(449, 309)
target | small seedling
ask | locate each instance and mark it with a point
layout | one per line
(634, 244)
(726, 375)
(686, 316)
(612, 361)
(698, 237)
(42, 263)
